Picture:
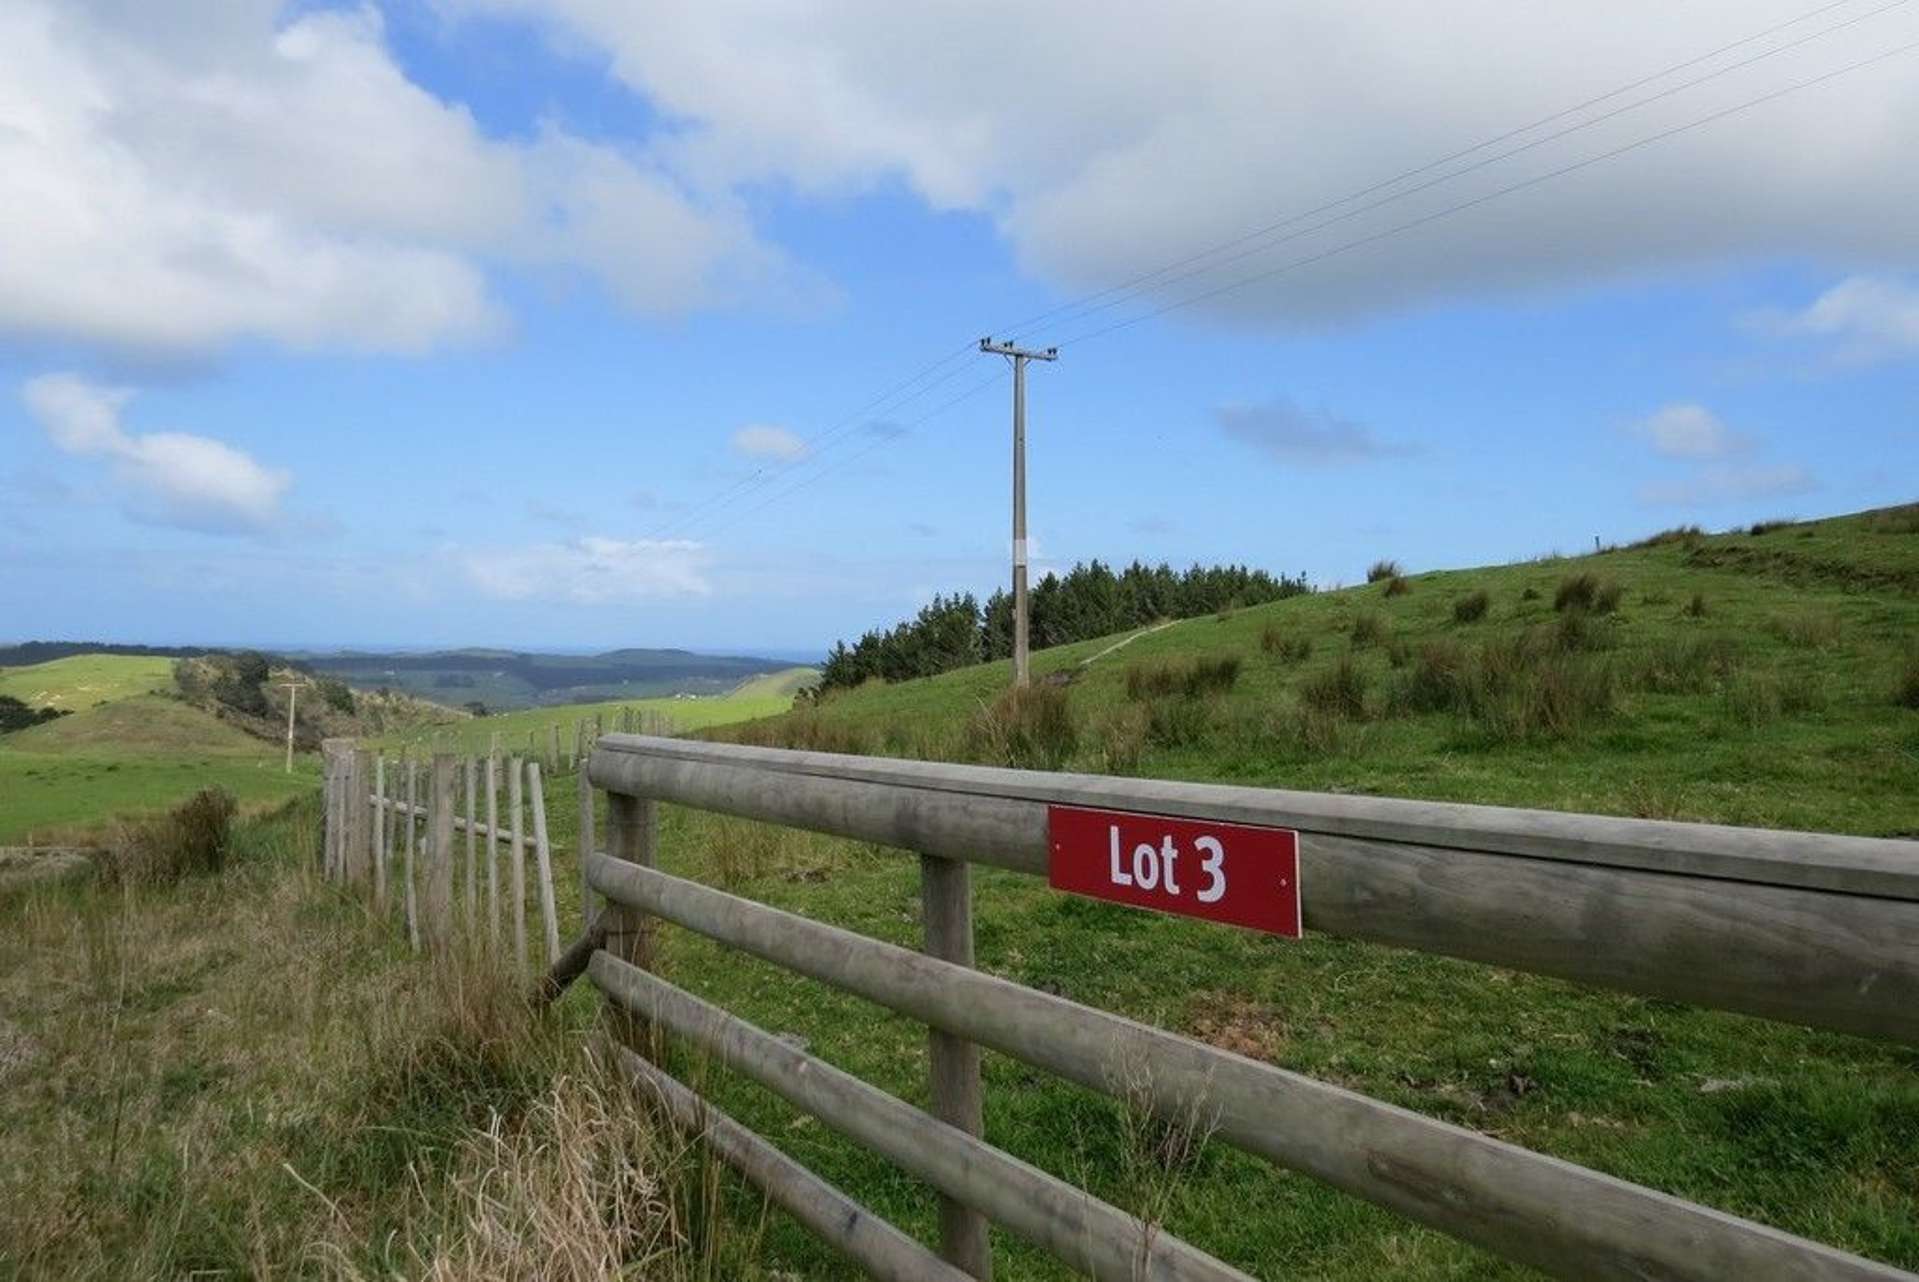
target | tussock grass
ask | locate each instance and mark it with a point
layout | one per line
(1805, 631)
(1686, 664)
(1905, 690)
(1687, 535)
(1029, 729)
(1758, 698)
(1398, 585)
(1288, 647)
(192, 838)
(1696, 608)
(1368, 630)
(1512, 690)
(1586, 591)
(1337, 691)
(1192, 678)
(1383, 569)
(1472, 607)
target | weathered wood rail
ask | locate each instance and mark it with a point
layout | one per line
(1816, 929)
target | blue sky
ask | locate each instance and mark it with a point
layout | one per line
(509, 322)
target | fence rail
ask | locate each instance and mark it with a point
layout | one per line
(1721, 916)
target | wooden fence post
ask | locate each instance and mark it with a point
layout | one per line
(468, 771)
(626, 720)
(412, 844)
(586, 846)
(632, 834)
(549, 912)
(329, 813)
(439, 855)
(946, 912)
(579, 745)
(381, 818)
(493, 850)
(516, 905)
(553, 747)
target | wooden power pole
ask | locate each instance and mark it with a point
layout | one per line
(293, 689)
(1019, 357)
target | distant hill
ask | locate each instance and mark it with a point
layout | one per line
(503, 679)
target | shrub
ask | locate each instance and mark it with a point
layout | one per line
(1472, 607)
(1368, 629)
(1767, 527)
(1398, 585)
(1031, 729)
(1338, 691)
(15, 715)
(1382, 570)
(1576, 592)
(1696, 608)
(1530, 594)
(1288, 647)
(337, 695)
(191, 838)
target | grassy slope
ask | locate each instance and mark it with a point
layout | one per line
(1816, 1133)
(758, 697)
(132, 752)
(244, 1076)
(86, 680)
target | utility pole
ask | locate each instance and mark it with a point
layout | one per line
(293, 689)
(1019, 356)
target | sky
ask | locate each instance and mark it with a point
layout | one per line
(593, 323)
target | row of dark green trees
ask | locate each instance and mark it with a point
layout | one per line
(1090, 600)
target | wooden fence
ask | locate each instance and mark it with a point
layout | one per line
(1821, 930)
(558, 749)
(397, 820)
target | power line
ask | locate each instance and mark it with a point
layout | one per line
(817, 448)
(812, 445)
(1522, 185)
(842, 464)
(1124, 293)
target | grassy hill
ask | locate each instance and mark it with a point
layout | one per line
(1747, 678)
(507, 679)
(85, 681)
(758, 697)
(1757, 679)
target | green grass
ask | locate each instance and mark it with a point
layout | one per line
(86, 680)
(127, 753)
(759, 697)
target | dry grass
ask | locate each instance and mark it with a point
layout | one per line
(1339, 691)
(1368, 630)
(1385, 569)
(1398, 585)
(191, 838)
(1472, 607)
(1029, 729)
(1287, 647)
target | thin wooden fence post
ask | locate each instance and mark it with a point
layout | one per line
(329, 814)
(468, 773)
(412, 845)
(381, 817)
(553, 747)
(579, 745)
(549, 911)
(626, 720)
(439, 858)
(946, 912)
(493, 848)
(586, 847)
(365, 818)
(516, 906)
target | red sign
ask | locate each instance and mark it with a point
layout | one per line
(1234, 873)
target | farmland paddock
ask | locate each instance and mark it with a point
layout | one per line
(1808, 928)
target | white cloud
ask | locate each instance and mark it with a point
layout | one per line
(1284, 431)
(593, 570)
(1868, 317)
(169, 478)
(1728, 482)
(1101, 148)
(1686, 431)
(1715, 462)
(171, 185)
(764, 440)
